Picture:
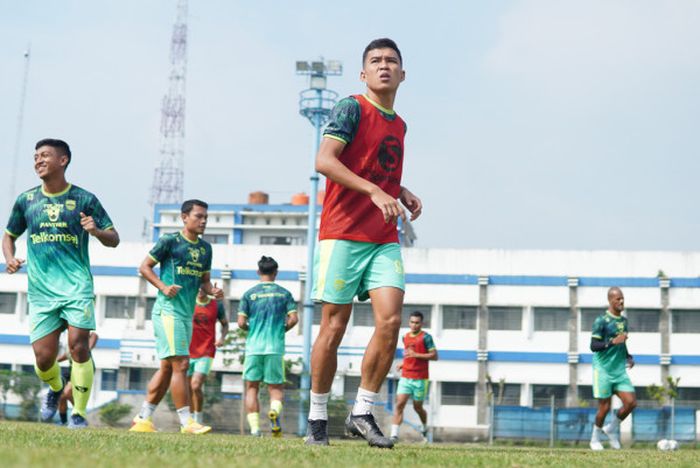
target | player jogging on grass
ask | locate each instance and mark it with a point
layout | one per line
(207, 312)
(59, 219)
(185, 264)
(267, 311)
(419, 350)
(358, 252)
(610, 360)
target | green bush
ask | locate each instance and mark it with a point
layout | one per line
(112, 413)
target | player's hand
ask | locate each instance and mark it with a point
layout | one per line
(630, 362)
(171, 290)
(621, 338)
(219, 343)
(409, 353)
(399, 367)
(412, 202)
(13, 265)
(218, 293)
(391, 210)
(88, 224)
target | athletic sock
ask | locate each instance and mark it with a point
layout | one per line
(422, 428)
(597, 431)
(395, 430)
(364, 402)
(184, 415)
(614, 423)
(197, 415)
(81, 376)
(64, 417)
(276, 406)
(147, 409)
(51, 376)
(254, 422)
(318, 408)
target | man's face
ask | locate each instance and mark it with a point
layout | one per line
(196, 220)
(47, 161)
(617, 301)
(415, 324)
(382, 70)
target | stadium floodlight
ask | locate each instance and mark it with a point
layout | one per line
(317, 82)
(318, 67)
(334, 66)
(302, 66)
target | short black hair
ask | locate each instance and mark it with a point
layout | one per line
(267, 265)
(417, 313)
(189, 204)
(60, 145)
(382, 43)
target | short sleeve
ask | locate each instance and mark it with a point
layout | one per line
(17, 223)
(244, 305)
(598, 328)
(428, 341)
(344, 120)
(99, 215)
(161, 250)
(220, 310)
(291, 304)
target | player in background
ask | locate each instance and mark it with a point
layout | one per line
(185, 265)
(59, 219)
(267, 311)
(419, 350)
(207, 312)
(67, 395)
(610, 362)
(361, 155)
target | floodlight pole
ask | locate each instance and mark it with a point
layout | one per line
(315, 104)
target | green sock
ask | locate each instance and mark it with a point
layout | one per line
(276, 406)
(51, 376)
(254, 422)
(81, 377)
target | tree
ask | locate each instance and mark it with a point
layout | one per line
(112, 413)
(27, 387)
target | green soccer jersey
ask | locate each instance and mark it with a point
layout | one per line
(266, 305)
(613, 359)
(58, 263)
(182, 262)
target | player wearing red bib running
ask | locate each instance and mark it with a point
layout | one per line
(361, 156)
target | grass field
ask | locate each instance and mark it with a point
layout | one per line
(30, 445)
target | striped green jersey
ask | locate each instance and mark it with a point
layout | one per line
(58, 263)
(266, 305)
(182, 262)
(613, 359)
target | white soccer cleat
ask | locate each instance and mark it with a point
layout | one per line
(612, 437)
(595, 439)
(596, 446)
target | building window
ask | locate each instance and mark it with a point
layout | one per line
(505, 318)
(688, 396)
(109, 380)
(686, 321)
(233, 305)
(408, 309)
(120, 307)
(216, 238)
(551, 318)
(457, 393)
(588, 316)
(350, 386)
(585, 394)
(150, 303)
(139, 378)
(542, 394)
(362, 315)
(278, 240)
(459, 317)
(5, 366)
(8, 301)
(643, 320)
(317, 313)
(508, 394)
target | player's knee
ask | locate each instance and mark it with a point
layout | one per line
(632, 404)
(336, 330)
(389, 326)
(196, 385)
(79, 351)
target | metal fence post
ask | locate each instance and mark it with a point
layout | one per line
(673, 418)
(492, 413)
(551, 422)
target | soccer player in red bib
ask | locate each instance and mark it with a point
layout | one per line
(207, 311)
(358, 254)
(419, 350)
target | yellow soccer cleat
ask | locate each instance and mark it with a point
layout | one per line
(275, 423)
(142, 425)
(194, 427)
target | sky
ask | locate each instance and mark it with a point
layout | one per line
(537, 124)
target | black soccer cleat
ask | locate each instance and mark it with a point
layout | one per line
(366, 427)
(317, 432)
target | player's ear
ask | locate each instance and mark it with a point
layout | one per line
(363, 76)
(403, 75)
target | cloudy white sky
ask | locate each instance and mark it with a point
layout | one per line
(532, 124)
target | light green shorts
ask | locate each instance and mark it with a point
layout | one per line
(173, 335)
(200, 365)
(266, 367)
(604, 385)
(45, 317)
(344, 269)
(417, 388)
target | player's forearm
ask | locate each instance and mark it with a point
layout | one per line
(291, 322)
(148, 273)
(332, 168)
(224, 330)
(108, 238)
(8, 247)
(598, 345)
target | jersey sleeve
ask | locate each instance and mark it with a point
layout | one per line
(428, 341)
(598, 328)
(291, 304)
(244, 306)
(343, 121)
(99, 215)
(220, 310)
(160, 251)
(17, 223)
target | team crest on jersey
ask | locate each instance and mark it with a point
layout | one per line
(30, 196)
(620, 326)
(253, 296)
(390, 153)
(70, 205)
(194, 254)
(53, 210)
